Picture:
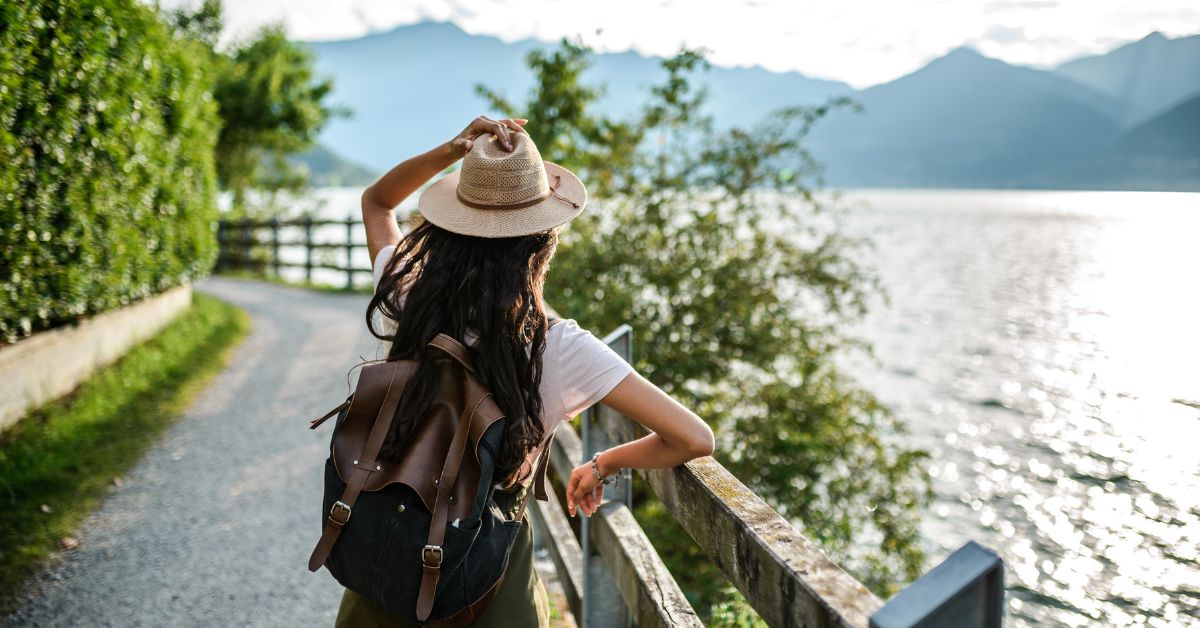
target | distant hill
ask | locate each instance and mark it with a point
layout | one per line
(1147, 76)
(413, 87)
(964, 120)
(327, 168)
(1162, 153)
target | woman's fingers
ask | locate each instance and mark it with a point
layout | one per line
(584, 504)
(570, 494)
(581, 494)
(514, 124)
(502, 129)
(589, 500)
(501, 132)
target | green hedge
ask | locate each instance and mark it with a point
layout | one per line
(108, 187)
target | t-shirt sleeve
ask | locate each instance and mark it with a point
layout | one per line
(380, 261)
(588, 369)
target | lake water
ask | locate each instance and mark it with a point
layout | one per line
(1044, 347)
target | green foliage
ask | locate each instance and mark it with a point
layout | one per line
(598, 149)
(270, 100)
(737, 280)
(65, 454)
(107, 129)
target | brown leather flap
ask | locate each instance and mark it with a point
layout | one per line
(460, 398)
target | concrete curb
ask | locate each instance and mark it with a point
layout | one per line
(50, 364)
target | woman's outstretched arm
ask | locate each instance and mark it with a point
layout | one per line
(677, 435)
(380, 199)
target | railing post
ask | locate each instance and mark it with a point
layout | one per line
(350, 253)
(602, 603)
(308, 248)
(275, 244)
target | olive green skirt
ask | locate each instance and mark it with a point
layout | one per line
(520, 602)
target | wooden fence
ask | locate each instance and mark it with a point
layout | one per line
(612, 575)
(258, 246)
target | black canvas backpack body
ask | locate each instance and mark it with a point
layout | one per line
(421, 537)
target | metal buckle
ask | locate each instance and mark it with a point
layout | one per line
(339, 505)
(437, 550)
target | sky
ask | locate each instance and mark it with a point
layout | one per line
(860, 42)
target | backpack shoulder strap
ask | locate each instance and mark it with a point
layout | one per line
(454, 349)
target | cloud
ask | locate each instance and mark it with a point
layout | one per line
(1004, 34)
(996, 6)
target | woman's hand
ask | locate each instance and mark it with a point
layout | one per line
(462, 143)
(584, 491)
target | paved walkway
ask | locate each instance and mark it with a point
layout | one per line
(214, 526)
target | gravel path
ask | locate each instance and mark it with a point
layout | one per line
(214, 526)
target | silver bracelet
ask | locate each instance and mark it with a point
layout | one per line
(612, 479)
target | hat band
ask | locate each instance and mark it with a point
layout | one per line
(553, 191)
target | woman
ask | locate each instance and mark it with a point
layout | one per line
(473, 267)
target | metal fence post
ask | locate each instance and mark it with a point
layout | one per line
(964, 591)
(602, 603)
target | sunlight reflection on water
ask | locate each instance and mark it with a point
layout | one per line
(1043, 346)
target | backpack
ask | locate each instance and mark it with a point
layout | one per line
(422, 537)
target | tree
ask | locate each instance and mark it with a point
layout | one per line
(270, 100)
(738, 281)
(599, 149)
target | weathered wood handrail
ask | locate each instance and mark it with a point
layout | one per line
(784, 576)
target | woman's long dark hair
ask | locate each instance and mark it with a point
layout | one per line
(452, 283)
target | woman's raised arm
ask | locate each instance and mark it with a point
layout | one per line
(380, 199)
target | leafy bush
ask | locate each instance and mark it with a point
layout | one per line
(107, 131)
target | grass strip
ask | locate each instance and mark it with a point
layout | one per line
(58, 463)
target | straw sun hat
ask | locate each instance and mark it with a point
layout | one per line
(499, 193)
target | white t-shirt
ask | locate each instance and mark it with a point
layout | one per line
(578, 370)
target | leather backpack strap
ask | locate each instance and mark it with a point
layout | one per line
(454, 349)
(339, 514)
(431, 554)
(315, 423)
(458, 350)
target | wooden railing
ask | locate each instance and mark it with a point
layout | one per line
(259, 246)
(611, 574)
(784, 577)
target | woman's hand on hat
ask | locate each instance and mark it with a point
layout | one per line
(502, 129)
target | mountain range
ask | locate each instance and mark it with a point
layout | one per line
(1126, 119)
